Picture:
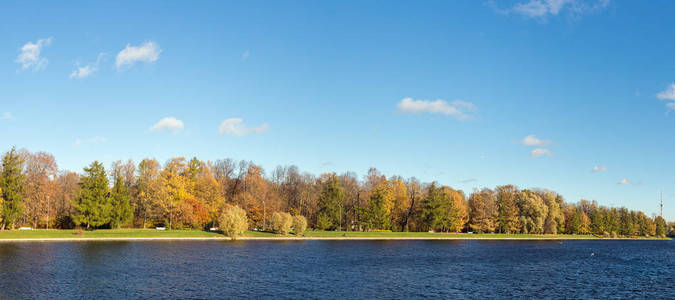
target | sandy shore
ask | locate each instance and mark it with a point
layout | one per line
(293, 239)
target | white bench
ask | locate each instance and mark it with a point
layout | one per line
(25, 228)
(160, 228)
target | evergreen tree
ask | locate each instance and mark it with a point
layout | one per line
(330, 204)
(93, 203)
(121, 212)
(661, 226)
(435, 208)
(378, 214)
(12, 187)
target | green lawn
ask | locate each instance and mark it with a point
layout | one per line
(359, 234)
(104, 233)
(140, 233)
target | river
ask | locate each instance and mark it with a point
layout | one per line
(338, 269)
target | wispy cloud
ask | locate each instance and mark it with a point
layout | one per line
(96, 139)
(88, 70)
(625, 181)
(31, 55)
(169, 123)
(148, 52)
(597, 168)
(668, 95)
(470, 180)
(245, 55)
(540, 152)
(236, 127)
(7, 116)
(542, 9)
(533, 141)
(458, 109)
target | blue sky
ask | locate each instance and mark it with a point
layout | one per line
(533, 93)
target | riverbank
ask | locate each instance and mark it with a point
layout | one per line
(160, 235)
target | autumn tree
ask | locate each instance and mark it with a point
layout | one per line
(281, 222)
(400, 203)
(255, 197)
(148, 190)
(414, 191)
(554, 217)
(40, 172)
(458, 214)
(12, 187)
(484, 211)
(508, 214)
(67, 191)
(533, 212)
(233, 222)
(175, 185)
(93, 204)
(206, 191)
(299, 224)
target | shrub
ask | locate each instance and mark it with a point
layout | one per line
(299, 224)
(233, 222)
(614, 235)
(323, 222)
(282, 222)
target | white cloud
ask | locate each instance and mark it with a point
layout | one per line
(668, 94)
(148, 52)
(88, 70)
(533, 141)
(7, 116)
(30, 55)
(245, 55)
(597, 168)
(168, 123)
(541, 9)
(96, 139)
(540, 152)
(625, 182)
(457, 109)
(236, 127)
(470, 180)
(83, 72)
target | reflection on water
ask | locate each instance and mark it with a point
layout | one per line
(338, 269)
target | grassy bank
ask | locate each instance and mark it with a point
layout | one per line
(152, 233)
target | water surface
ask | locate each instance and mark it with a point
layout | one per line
(338, 269)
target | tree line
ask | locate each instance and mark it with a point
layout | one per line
(195, 194)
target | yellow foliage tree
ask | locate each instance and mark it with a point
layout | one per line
(233, 222)
(400, 205)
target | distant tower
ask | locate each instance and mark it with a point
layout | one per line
(661, 204)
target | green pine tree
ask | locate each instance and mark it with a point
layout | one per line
(434, 208)
(121, 211)
(377, 213)
(92, 206)
(12, 187)
(330, 203)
